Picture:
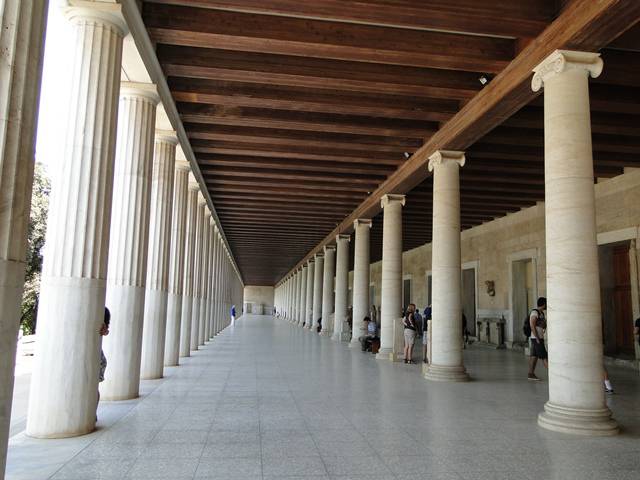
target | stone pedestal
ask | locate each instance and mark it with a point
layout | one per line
(446, 356)
(64, 385)
(188, 278)
(156, 295)
(327, 288)
(127, 266)
(176, 264)
(391, 302)
(342, 285)
(576, 396)
(317, 290)
(310, 289)
(22, 39)
(361, 261)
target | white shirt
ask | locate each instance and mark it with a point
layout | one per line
(538, 320)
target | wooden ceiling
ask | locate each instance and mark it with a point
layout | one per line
(298, 110)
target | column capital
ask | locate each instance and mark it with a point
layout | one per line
(193, 183)
(108, 13)
(441, 157)
(390, 198)
(212, 220)
(147, 91)
(201, 200)
(207, 213)
(365, 222)
(343, 237)
(310, 261)
(319, 255)
(329, 248)
(182, 165)
(563, 60)
(168, 136)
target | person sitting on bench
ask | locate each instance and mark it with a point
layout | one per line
(371, 329)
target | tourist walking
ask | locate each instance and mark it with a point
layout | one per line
(537, 326)
(410, 328)
(425, 333)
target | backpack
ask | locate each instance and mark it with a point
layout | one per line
(526, 328)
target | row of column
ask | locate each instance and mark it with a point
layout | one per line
(128, 228)
(576, 398)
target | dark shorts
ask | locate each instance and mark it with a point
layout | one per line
(537, 349)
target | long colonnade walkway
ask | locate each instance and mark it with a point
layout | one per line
(267, 400)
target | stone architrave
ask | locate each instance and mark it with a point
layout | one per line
(176, 263)
(327, 289)
(391, 300)
(64, 384)
(197, 273)
(574, 322)
(317, 290)
(157, 288)
(189, 251)
(21, 41)
(342, 285)
(361, 260)
(128, 242)
(309, 300)
(446, 326)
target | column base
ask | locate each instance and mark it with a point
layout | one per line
(336, 336)
(440, 373)
(576, 421)
(385, 354)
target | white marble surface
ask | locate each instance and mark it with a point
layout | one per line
(253, 405)
(361, 273)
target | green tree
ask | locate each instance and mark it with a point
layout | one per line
(36, 236)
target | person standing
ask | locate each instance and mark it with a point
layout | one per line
(425, 333)
(103, 332)
(537, 350)
(233, 314)
(410, 328)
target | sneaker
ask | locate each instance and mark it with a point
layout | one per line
(532, 376)
(608, 390)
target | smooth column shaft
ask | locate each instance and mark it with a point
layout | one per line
(127, 267)
(64, 384)
(362, 228)
(21, 41)
(156, 295)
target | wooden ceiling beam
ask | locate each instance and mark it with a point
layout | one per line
(199, 27)
(341, 180)
(516, 18)
(303, 201)
(284, 192)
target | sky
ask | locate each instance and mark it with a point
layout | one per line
(54, 96)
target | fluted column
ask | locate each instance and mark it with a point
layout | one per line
(318, 275)
(327, 288)
(156, 295)
(303, 296)
(22, 39)
(342, 285)
(187, 279)
(127, 265)
(197, 273)
(218, 287)
(446, 326)
(361, 259)
(309, 300)
(64, 385)
(391, 302)
(298, 318)
(208, 325)
(204, 274)
(576, 397)
(176, 263)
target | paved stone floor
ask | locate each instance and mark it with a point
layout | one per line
(266, 400)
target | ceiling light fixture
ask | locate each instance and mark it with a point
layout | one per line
(406, 155)
(483, 79)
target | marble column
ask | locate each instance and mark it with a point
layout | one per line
(176, 263)
(208, 278)
(342, 285)
(446, 326)
(22, 39)
(576, 396)
(298, 297)
(197, 273)
(218, 281)
(204, 274)
(391, 301)
(361, 260)
(317, 290)
(187, 278)
(128, 242)
(64, 384)
(156, 295)
(310, 289)
(327, 289)
(303, 296)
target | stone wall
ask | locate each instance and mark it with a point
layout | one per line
(259, 295)
(493, 246)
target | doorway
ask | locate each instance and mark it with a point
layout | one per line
(469, 298)
(523, 294)
(615, 298)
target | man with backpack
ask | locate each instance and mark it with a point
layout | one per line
(534, 328)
